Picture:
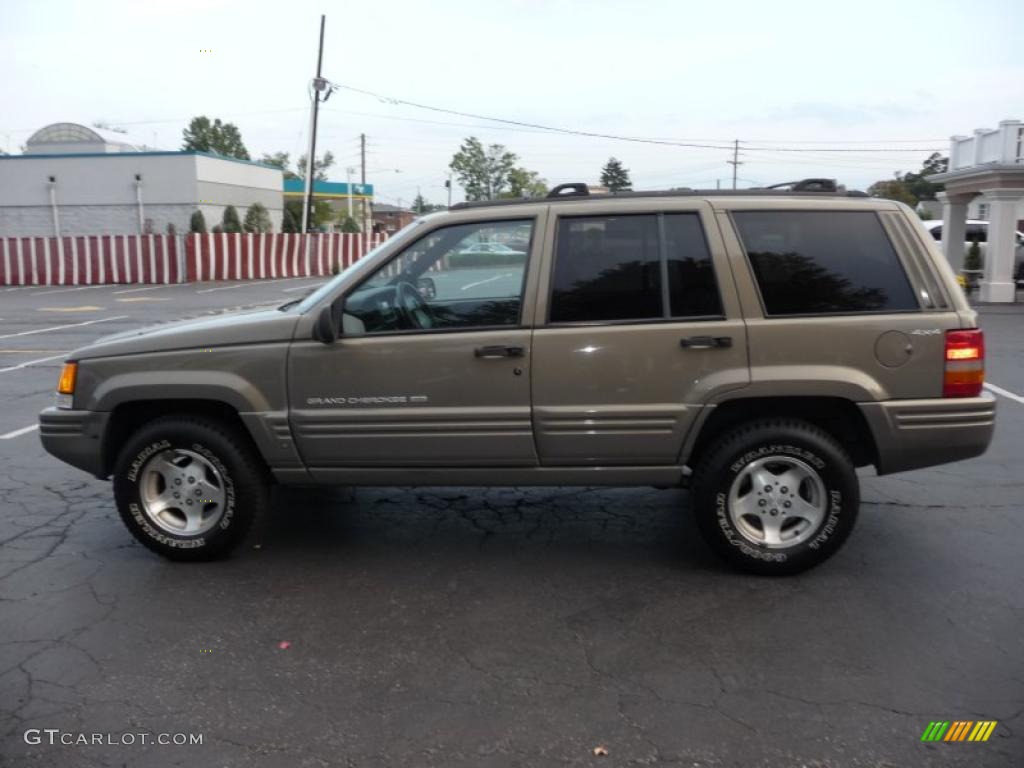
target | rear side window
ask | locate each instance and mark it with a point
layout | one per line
(819, 262)
(635, 267)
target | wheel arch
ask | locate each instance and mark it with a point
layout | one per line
(837, 416)
(127, 417)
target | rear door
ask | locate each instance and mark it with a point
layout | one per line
(637, 324)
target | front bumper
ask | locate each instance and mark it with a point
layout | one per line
(75, 437)
(910, 434)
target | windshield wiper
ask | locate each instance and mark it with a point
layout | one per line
(290, 304)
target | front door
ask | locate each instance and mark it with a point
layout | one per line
(638, 328)
(433, 365)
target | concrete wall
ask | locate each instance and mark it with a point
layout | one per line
(96, 194)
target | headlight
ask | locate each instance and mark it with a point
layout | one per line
(66, 385)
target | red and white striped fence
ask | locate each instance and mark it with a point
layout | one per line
(90, 259)
(244, 256)
(98, 259)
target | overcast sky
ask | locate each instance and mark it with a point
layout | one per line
(809, 75)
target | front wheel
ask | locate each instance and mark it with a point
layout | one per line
(189, 488)
(776, 496)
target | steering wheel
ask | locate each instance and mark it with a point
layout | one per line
(413, 308)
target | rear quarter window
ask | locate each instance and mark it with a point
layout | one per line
(824, 262)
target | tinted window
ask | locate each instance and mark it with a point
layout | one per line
(693, 291)
(823, 261)
(607, 268)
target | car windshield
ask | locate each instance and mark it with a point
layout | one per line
(306, 303)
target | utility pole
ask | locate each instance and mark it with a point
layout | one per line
(735, 162)
(449, 185)
(319, 84)
(362, 177)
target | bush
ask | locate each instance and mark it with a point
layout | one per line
(217, 229)
(257, 219)
(288, 223)
(231, 222)
(171, 229)
(973, 258)
(349, 224)
(197, 223)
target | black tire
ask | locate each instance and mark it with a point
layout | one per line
(798, 445)
(240, 472)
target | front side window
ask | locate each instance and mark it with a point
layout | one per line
(463, 276)
(615, 268)
(820, 262)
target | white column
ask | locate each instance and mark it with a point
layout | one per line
(998, 285)
(954, 227)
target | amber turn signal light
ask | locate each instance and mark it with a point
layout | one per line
(68, 375)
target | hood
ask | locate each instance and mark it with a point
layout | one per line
(231, 328)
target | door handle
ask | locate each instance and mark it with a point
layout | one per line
(706, 342)
(499, 351)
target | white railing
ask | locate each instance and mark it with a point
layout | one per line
(1003, 145)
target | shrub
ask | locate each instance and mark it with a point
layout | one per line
(231, 222)
(257, 219)
(197, 223)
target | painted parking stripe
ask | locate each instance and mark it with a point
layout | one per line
(27, 363)
(68, 290)
(62, 327)
(19, 432)
(248, 283)
(1004, 392)
(140, 290)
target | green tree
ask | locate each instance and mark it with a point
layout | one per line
(524, 183)
(221, 138)
(893, 189)
(348, 223)
(288, 222)
(231, 222)
(912, 187)
(615, 177)
(420, 204)
(257, 219)
(320, 166)
(321, 214)
(197, 223)
(483, 173)
(280, 160)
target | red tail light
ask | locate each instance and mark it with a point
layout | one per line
(965, 363)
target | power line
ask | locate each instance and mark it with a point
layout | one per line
(594, 134)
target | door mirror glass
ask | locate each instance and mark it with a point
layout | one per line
(326, 328)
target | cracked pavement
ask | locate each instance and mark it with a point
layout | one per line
(510, 626)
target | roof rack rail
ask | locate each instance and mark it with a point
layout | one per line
(570, 190)
(580, 191)
(808, 185)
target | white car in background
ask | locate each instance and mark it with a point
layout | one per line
(977, 232)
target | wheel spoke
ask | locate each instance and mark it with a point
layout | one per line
(746, 505)
(772, 529)
(805, 510)
(193, 517)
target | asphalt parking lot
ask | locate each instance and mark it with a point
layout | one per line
(504, 627)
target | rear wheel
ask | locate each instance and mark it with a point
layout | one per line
(189, 488)
(776, 496)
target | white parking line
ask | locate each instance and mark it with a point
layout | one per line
(19, 432)
(298, 288)
(254, 283)
(467, 286)
(27, 363)
(1004, 392)
(61, 327)
(148, 288)
(68, 290)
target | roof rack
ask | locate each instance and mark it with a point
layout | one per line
(580, 191)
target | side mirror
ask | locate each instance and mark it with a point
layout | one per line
(326, 328)
(427, 287)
